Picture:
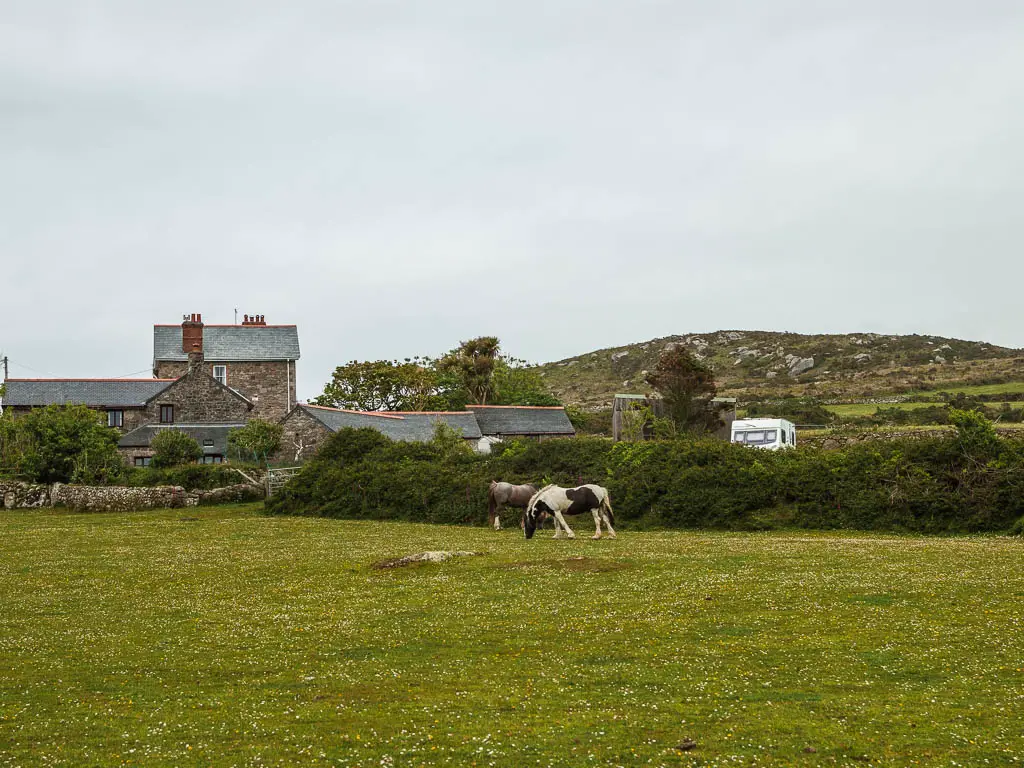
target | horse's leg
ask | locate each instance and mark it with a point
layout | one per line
(497, 517)
(597, 522)
(607, 523)
(565, 525)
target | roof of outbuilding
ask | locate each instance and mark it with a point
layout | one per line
(201, 433)
(94, 392)
(408, 426)
(242, 343)
(522, 420)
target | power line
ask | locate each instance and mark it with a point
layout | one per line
(30, 368)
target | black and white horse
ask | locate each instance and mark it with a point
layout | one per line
(558, 501)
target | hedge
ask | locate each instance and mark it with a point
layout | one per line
(971, 481)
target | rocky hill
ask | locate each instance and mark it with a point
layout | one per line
(756, 365)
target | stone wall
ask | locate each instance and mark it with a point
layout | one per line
(84, 498)
(197, 397)
(270, 385)
(301, 438)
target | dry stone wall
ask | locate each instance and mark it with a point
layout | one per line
(85, 498)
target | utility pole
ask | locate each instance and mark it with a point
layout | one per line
(5, 368)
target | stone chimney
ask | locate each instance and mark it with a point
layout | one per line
(254, 320)
(192, 339)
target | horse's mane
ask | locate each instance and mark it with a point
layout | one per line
(533, 499)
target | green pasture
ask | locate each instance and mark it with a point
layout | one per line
(1013, 387)
(853, 410)
(222, 638)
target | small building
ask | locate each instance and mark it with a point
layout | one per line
(123, 401)
(212, 438)
(307, 426)
(534, 422)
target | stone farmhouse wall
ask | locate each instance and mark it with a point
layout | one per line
(84, 498)
(270, 385)
(198, 398)
(301, 437)
(133, 417)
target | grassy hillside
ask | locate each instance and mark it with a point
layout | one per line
(215, 637)
(765, 364)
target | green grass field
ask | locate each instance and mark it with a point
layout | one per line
(219, 637)
(1012, 387)
(850, 410)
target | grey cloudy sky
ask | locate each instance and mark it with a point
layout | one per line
(567, 174)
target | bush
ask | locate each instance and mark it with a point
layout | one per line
(61, 444)
(256, 440)
(964, 482)
(171, 448)
(191, 477)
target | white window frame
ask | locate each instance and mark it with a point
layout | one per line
(224, 370)
(115, 418)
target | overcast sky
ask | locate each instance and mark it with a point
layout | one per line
(568, 175)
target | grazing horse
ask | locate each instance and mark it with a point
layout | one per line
(500, 495)
(570, 501)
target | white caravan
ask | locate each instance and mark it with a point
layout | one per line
(771, 434)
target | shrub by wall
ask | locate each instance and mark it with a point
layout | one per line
(200, 477)
(968, 481)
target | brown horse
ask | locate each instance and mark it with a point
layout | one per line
(501, 495)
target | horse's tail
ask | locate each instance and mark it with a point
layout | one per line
(606, 505)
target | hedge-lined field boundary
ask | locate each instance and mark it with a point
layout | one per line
(969, 481)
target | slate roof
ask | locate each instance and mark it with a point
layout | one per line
(218, 433)
(230, 343)
(522, 420)
(98, 393)
(398, 425)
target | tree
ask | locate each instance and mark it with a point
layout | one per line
(516, 382)
(473, 363)
(172, 447)
(66, 444)
(258, 439)
(384, 385)
(687, 386)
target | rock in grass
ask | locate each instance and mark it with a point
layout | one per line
(437, 556)
(686, 745)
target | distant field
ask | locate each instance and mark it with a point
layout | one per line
(1013, 387)
(218, 637)
(852, 410)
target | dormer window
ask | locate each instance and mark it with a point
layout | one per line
(220, 373)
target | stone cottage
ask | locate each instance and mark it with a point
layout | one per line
(255, 359)
(250, 373)
(307, 426)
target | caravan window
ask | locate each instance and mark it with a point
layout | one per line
(783, 437)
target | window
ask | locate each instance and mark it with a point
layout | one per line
(783, 437)
(212, 458)
(207, 443)
(143, 461)
(115, 418)
(166, 414)
(220, 373)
